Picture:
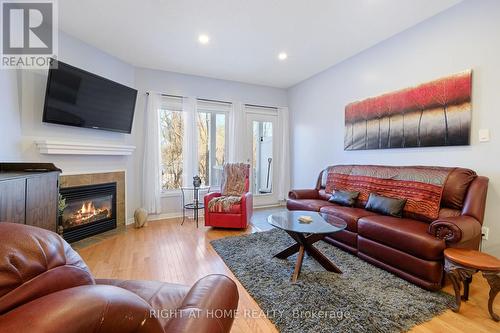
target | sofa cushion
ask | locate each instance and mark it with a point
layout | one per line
(307, 204)
(409, 236)
(349, 214)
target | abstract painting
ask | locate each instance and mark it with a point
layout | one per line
(437, 113)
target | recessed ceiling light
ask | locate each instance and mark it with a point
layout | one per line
(282, 56)
(203, 39)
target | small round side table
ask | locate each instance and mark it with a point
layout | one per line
(461, 264)
(196, 205)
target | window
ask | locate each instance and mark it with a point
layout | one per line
(208, 135)
(212, 122)
(171, 141)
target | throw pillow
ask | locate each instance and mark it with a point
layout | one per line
(344, 198)
(384, 205)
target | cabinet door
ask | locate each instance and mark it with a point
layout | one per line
(12, 195)
(41, 201)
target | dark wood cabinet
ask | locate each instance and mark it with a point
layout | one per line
(29, 194)
(12, 200)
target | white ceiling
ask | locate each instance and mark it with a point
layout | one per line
(246, 35)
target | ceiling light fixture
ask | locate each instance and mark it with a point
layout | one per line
(282, 56)
(203, 39)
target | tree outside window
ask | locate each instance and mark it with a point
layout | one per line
(211, 128)
(171, 137)
(211, 146)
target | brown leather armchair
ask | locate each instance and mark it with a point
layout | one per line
(46, 287)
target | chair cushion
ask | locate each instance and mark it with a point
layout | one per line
(406, 235)
(307, 204)
(232, 209)
(349, 214)
(225, 204)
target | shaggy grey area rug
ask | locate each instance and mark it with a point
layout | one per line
(362, 299)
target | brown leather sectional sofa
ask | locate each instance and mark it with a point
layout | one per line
(408, 247)
(46, 287)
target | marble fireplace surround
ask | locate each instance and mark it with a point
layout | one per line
(72, 180)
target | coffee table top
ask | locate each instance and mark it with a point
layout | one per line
(321, 223)
(472, 259)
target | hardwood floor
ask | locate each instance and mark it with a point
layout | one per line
(167, 251)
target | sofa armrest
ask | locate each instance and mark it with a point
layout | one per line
(455, 229)
(210, 306)
(98, 309)
(304, 194)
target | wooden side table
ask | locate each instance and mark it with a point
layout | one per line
(461, 264)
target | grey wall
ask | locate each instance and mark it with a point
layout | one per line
(466, 36)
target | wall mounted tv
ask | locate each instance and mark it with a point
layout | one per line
(76, 97)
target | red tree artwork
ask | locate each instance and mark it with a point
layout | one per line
(451, 91)
(379, 107)
(422, 97)
(422, 104)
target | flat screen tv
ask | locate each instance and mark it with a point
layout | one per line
(78, 98)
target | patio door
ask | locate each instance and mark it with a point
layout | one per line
(261, 133)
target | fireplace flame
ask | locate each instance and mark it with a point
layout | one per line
(89, 211)
(88, 208)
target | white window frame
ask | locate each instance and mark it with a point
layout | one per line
(252, 113)
(214, 108)
(172, 104)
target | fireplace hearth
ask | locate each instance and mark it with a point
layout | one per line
(90, 210)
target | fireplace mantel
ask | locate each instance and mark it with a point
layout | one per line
(57, 147)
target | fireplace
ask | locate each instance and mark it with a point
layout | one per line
(89, 210)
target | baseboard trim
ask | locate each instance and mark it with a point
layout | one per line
(164, 216)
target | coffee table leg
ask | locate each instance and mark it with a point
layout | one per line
(456, 288)
(288, 251)
(305, 244)
(493, 279)
(467, 282)
(295, 247)
(323, 261)
(457, 274)
(298, 264)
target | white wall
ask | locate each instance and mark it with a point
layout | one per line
(466, 36)
(10, 123)
(24, 117)
(199, 87)
(22, 94)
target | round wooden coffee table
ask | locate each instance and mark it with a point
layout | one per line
(461, 264)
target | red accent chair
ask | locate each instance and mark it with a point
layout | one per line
(239, 214)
